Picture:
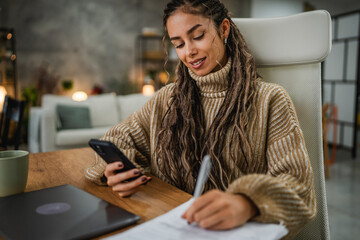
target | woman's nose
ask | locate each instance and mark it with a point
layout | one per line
(190, 50)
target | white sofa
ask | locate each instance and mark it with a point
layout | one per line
(106, 110)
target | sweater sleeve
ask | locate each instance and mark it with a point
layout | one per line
(285, 193)
(131, 136)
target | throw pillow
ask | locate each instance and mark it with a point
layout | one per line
(73, 117)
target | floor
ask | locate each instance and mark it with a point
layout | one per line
(343, 196)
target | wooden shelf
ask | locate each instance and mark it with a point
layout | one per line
(150, 59)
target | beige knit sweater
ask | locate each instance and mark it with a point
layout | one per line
(280, 180)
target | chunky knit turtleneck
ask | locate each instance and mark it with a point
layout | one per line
(213, 88)
(279, 178)
(213, 84)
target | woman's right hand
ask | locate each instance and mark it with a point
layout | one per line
(118, 180)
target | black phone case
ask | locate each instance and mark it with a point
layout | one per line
(110, 153)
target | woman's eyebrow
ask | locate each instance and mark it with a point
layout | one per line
(188, 32)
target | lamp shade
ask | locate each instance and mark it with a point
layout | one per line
(148, 90)
(3, 93)
(79, 96)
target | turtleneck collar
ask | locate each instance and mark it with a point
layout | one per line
(213, 83)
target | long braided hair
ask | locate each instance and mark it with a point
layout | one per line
(182, 141)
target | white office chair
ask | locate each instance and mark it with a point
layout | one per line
(288, 51)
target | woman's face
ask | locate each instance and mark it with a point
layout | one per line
(197, 43)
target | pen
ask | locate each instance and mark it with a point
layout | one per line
(203, 176)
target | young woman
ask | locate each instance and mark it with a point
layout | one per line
(218, 106)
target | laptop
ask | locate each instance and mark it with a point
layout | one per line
(63, 212)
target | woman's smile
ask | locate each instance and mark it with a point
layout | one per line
(198, 63)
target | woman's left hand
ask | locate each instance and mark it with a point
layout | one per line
(217, 210)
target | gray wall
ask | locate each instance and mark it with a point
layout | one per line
(276, 8)
(335, 7)
(89, 41)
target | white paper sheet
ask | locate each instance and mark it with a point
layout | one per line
(171, 226)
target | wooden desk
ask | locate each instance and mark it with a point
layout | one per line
(51, 169)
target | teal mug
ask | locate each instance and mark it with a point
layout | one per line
(14, 166)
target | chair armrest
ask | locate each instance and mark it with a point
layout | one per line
(34, 129)
(48, 130)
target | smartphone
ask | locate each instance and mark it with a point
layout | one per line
(111, 153)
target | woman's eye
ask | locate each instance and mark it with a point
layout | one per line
(199, 37)
(179, 45)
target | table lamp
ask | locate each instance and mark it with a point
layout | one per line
(3, 93)
(79, 96)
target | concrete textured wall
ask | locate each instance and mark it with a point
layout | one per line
(89, 41)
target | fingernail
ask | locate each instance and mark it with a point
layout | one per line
(149, 179)
(136, 171)
(143, 179)
(120, 164)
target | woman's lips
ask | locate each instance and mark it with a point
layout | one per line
(198, 63)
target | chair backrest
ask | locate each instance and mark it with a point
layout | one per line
(13, 111)
(288, 51)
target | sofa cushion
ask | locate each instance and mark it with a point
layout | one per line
(103, 110)
(127, 104)
(103, 107)
(79, 136)
(72, 117)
